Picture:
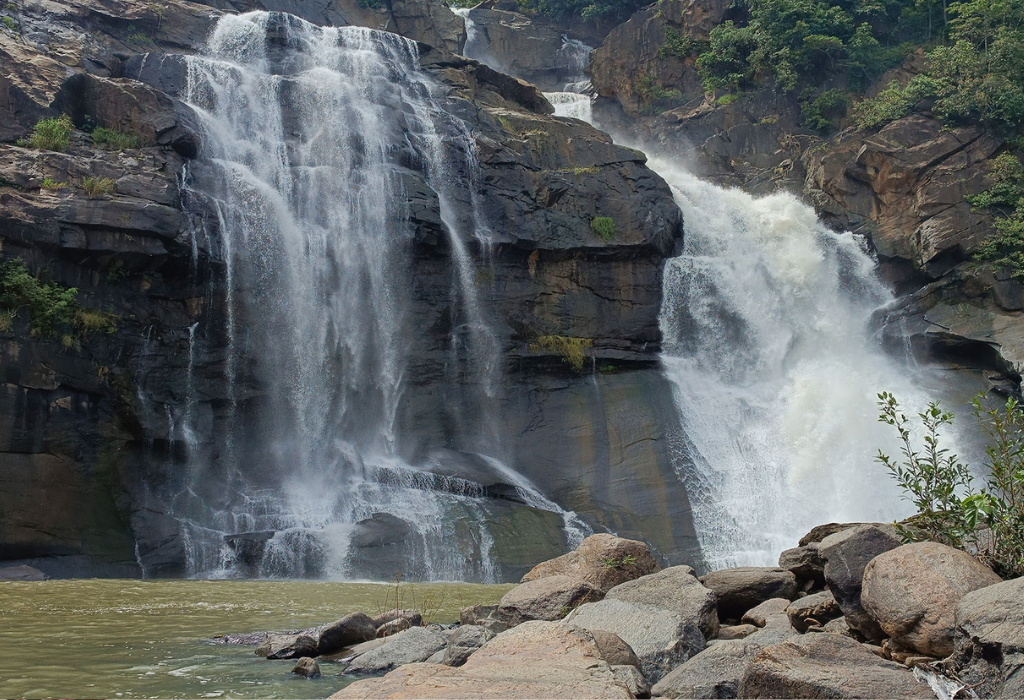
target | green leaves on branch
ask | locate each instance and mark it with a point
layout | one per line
(949, 510)
(1004, 248)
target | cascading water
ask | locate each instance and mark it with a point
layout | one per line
(313, 135)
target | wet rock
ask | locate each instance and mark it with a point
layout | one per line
(287, 646)
(22, 573)
(813, 611)
(549, 598)
(411, 646)
(603, 561)
(464, 642)
(534, 660)
(912, 593)
(661, 638)
(613, 650)
(348, 631)
(846, 554)
(631, 677)
(740, 589)
(760, 614)
(827, 666)
(675, 589)
(988, 646)
(307, 668)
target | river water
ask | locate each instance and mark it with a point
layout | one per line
(153, 639)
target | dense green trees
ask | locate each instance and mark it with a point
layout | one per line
(585, 9)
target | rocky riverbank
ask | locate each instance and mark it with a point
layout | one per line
(849, 613)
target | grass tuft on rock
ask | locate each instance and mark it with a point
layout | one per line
(603, 227)
(571, 349)
(96, 186)
(53, 134)
(115, 140)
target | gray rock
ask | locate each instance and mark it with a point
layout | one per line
(912, 593)
(675, 589)
(415, 619)
(820, 532)
(827, 666)
(661, 639)
(437, 657)
(287, 646)
(837, 626)
(22, 573)
(989, 641)
(613, 649)
(393, 627)
(736, 632)
(813, 611)
(466, 640)
(846, 554)
(713, 673)
(806, 564)
(348, 631)
(746, 587)
(602, 560)
(550, 598)
(759, 615)
(411, 646)
(307, 668)
(631, 677)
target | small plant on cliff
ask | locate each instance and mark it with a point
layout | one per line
(115, 140)
(96, 186)
(52, 134)
(1005, 247)
(10, 23)
(950, 511)
(49, 183)
(603, 227)
(571, 349)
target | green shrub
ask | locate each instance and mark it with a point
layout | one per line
(819, 112)
(53, 134)
(1004, 248)
(950, 511)
(96, 186)
(51, 184)
(603, 227)
(9, 23)
(654, 97)
(728, 99)
(115, 140)
(571, 349)
(679, 46)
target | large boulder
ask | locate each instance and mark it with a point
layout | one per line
(603, 561)
(806, 564)
(827, 666)
(22, 572)
(549, 598)
(287, 646)
(411, 646)
(348, 631)
(534, 660)
(846, 554)
(675, 589)
(760, 615)
(745, 587)
(661, 638)
(988, 647)
(912, 593)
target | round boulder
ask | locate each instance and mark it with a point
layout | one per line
(603, 561)
(912, 593)
(307, 668)
(550, 598)
(348, 631)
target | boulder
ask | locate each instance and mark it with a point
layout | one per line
(287, 646)
(759, 615)
(22, 573)
(549, 598)
(716, 672)
(613, 650)
(988, 646)
(393, 627)
(820, 532)
(485, 616)
(912, 593)
(806, 564)
(675, 589)
(348, 631)
(837, 626)
(307, 668)
(745, 587)
(464, 642)
(813, 611)
(661, 638)
(736, 632)
(827, 666)
(604, 561)
(414, 618)
(631, 677)
(411, 646)
(534, 660)
(846, 554)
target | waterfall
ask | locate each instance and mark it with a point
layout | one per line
(314, 140)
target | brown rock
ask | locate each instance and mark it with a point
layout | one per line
(731, 632)
(549, 598)
(613, 649)
(534, 660)
(307, 668)
(349, 630)
(759, 615)
(912, 593)
(813, 611)
(603, 561)
(989, 643)
(745, 587)
(414, 618)
(287, 646)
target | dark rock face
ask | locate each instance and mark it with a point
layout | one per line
(287, 646)
(740, 589)
(98, 432)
